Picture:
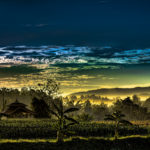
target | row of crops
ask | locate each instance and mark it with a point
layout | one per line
(47, 129)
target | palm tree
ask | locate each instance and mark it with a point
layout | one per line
(62, 118)
(117, 116)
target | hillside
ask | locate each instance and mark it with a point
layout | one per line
(141, 91)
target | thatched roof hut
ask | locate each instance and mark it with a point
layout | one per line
(17, 110)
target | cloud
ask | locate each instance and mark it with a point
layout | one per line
(9, 71)
(104, 1)
(72, 54)
(41, 25)
(74, 67)
(135, 55)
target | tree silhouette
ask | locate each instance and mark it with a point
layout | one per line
(47, 90)
(87, 107)
(131, 110)
(117, 116)
(62, 118)
(99, 111)
(136, 100)
(4, 92)
(40, 108)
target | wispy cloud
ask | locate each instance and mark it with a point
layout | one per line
(72, 54)
(40, 25)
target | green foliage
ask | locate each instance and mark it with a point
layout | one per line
(47, 128)
(4, 92)
(132, 109)
(40, 108)
(62, 118)
(99, 111)
(117, 117)
(87, 107)
(73, 103)
(84, 117)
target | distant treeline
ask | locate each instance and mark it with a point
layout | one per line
(87, 97)
(133, 108)
(40, 102)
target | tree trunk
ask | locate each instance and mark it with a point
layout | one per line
(3, 105)
(116, 131)
(60, 137)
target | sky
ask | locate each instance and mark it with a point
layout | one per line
(118, 23)
(84, 44)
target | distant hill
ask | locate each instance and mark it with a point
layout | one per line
(143, 91)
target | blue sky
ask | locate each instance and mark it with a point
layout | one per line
(82, 22)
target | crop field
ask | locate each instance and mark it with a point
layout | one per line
(46, 129)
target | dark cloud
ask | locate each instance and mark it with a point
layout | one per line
(11, 71)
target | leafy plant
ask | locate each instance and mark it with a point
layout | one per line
(62, 118)
(84, 117)
(117, 116)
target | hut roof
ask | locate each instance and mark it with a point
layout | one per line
(17, 110)
(17, 103)
(17, 107)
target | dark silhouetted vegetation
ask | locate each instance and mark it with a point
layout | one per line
(64, 121)
(40, 108)
(47, 128)
(117, 117)
(62, 115)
